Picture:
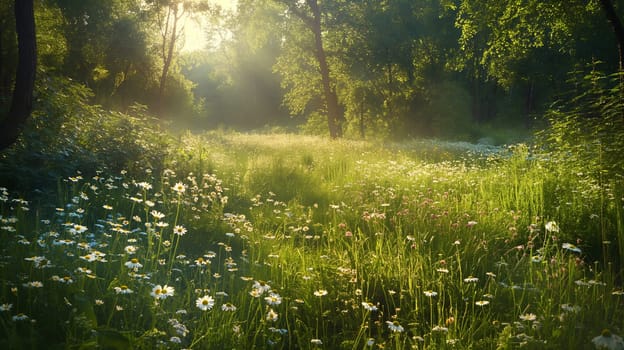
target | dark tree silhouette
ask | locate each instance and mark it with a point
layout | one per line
(21, 104)
(618, 29)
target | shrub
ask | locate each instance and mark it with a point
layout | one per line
(66, 134)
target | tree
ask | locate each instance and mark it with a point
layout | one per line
(170, 33)
(170, 17)
(310, 14)
(616, 25)
(21, 105)
(530, 45)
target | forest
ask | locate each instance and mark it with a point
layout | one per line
(301, 174)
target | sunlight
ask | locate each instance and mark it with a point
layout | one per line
(278, 174)
(195, 37)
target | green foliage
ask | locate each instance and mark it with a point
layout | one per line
(587, 126)
(583, 145)
(66, 134)
(448, 111)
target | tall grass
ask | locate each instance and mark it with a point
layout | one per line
(284, 241)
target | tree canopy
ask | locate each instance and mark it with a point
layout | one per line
(449, 68)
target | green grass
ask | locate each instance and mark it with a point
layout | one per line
(317, 244)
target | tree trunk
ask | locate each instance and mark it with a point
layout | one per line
(529, 103)
(168, 51)
(616, 25)
(335, 114)
(21, 105)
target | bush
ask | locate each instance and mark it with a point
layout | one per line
(587, 128)
(583, 152)
(66, 134)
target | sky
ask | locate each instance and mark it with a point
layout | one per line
(195, 37)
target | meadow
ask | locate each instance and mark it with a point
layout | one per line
(284, 241)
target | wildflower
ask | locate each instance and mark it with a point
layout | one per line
(228, 307)
(20, 317)
(78, 229)
(162, 292)
(179, 328)
(394, 326)
(33, 284)
(144, 185)
(571, 247)
(205, 303)
(370, 342)
(430, 293)
(272, 315)
(179, 187)
(99, 302)
(65, 279)
(273, 299)
(6, 307)
(368, 306)
(528, 317)
(256, 292)
(40, 262)
(442, 270)
(607, 340)
(94, 256)
(471, 223)
(320, 292)
(175, 340)
(123, 290)
(62, 242)
(83, 270)
(201, 261)
(107, 207)
(551, 226)
(262, 286)
(439, 329)
(156, 214)
(482, 303)
(133, 264)
(471, 279)
(316, 341)
(571, 308)
(179, 230)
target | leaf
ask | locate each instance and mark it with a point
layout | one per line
(112, 339)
